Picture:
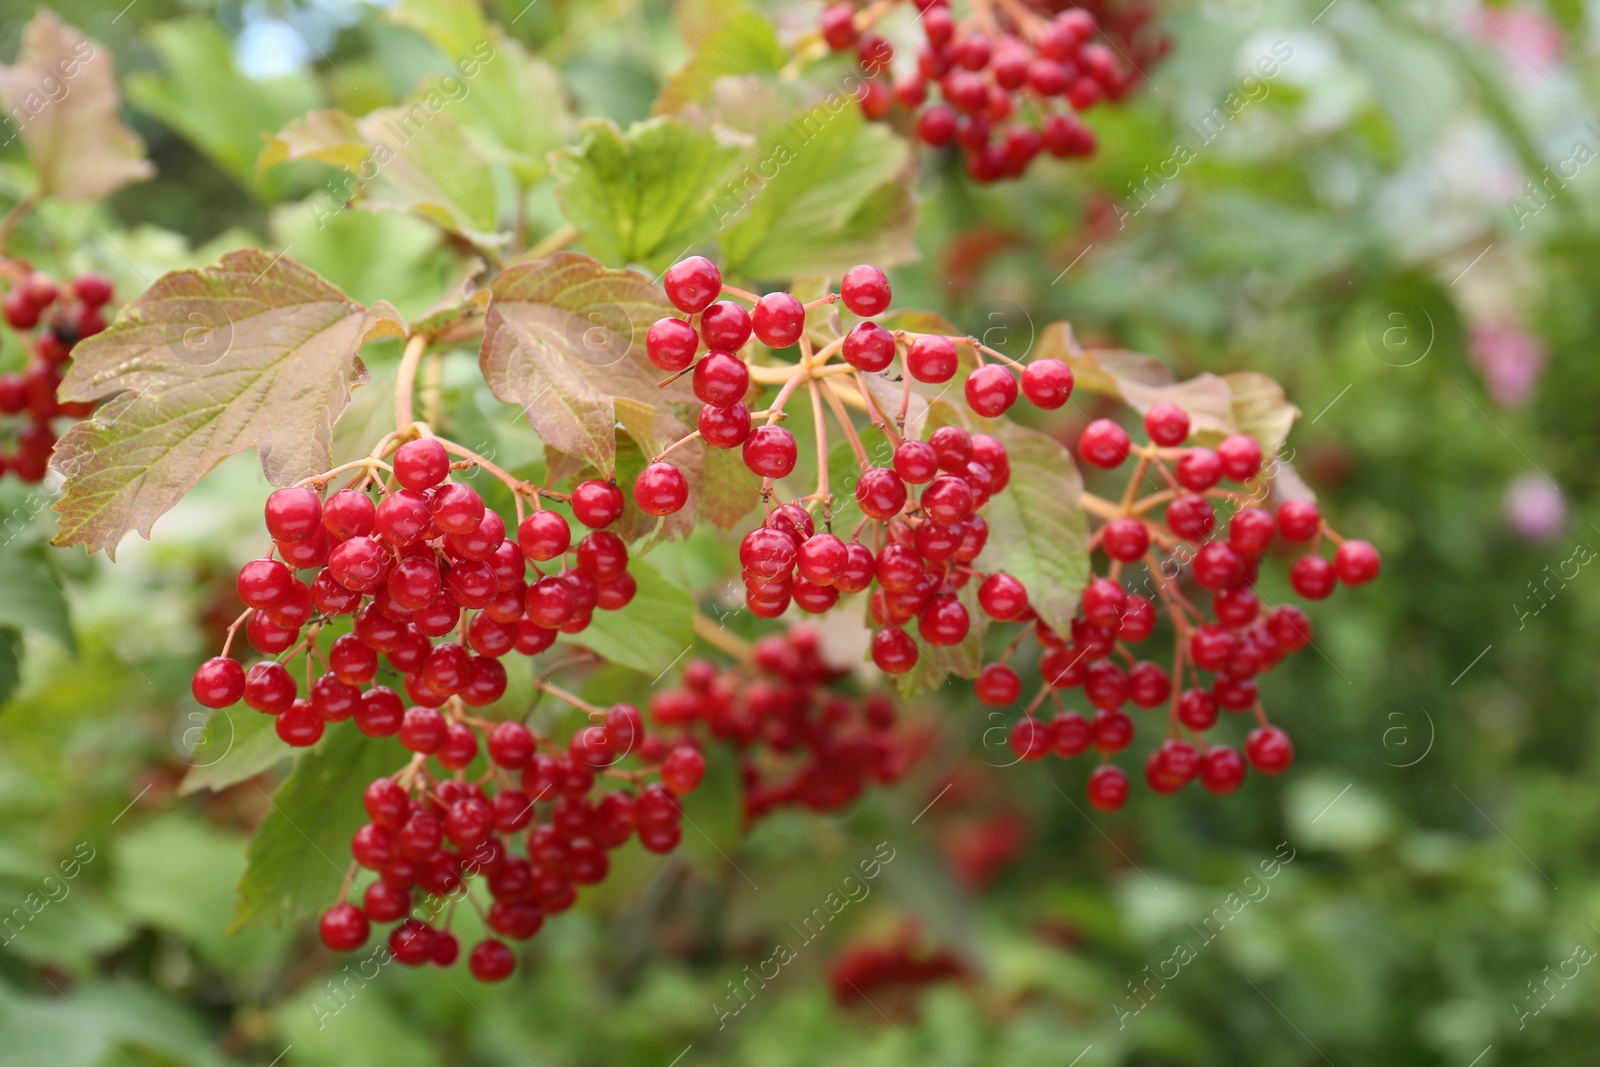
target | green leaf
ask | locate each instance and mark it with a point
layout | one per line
(1037, 532)
(643, 196)
(495, 111)
(651, 633)
(75, 140)
(728, 491)
(454, 25)
(1258, 408)
(745, 44)
(209, 102)
(412, 158)
(10, 663)
(234, 745)
(33, 597)
(806, 205)
(298, 857)
(563, 338)
(256, 350)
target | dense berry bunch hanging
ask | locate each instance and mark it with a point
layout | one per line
(1001, 82)
(918, 544)
(48, 319)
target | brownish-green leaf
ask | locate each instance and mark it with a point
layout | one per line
(563, 339)
(255, 350)
(1038, 533)
(66, 86)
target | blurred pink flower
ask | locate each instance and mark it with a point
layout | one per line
(1535, 507)
(1528, 41)
(1510, 360)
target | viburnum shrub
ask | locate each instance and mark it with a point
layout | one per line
(940, 539)
(49, 319)
(1002, 82)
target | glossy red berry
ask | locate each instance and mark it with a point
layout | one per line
(692, 284)
(1197, 709)
(1108, 788)
(1198, 469)
(1298, 520)
(1047, 383)
(944, 622)
(997, 686)
(660, 489)
(1269, 749)
(1002, 597)
(544, 535)
(724, 427)
(1125, 539)
(1221, 770)
(596, 503)
(1312, 577)
(893, 651)
(865, 291)
(344, 928)
(1029, 739)
(1250, 531)
(1167, 424)
(770, 451)
(671, 344)
(682, 770)
(1104, 444)
(778, 320)
(1356, 562)
(881, 493)
(491, 961)
(721, 379)
(838, 26)
(915, 461)
(868, 347)
(932, 359)
(293, 515)
(725, 326)
(991, 390)
(1240, 457)
(421, 464)
(218, 682)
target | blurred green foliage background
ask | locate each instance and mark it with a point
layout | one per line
(1361, 231)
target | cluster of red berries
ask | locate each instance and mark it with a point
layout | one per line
(427, 562)
(801, 743)
(1238, 641)
(533, 826)
(1012, 80)
(31, 393)
(949, 477)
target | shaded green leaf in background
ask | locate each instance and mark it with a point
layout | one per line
(652, 633)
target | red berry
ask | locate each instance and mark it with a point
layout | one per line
(671, 344)
(1198, 469)
(1356, 562)
(821, 558)
(344, 928)
(936, 126)
(991, 390)
(932, 359)
(92, 289)
(1104, 444)
(456, 508)
(218, 682)
(1191, 517)
(491, 961)
(1047, 383)
(682, 770)
(1289, 628)
(544, 536)
(947, 500)
(293, 514)
(1269, 749)
(944, 622)
(721, 379)
(1125, 539)
(1221, 770)
(868, 347)
(411, 943)
(865, 290)
(1002, 597)
(596, 503)
(1250, 531)
(893, 651)
(1167, 425)
(1197, 709)
(1240, 456)
(770, 451)
(1103, 601)
(1312, 577)
(881, 493)
(1029, 739)
(1070, 734)
(1299, 520)
(1108, 788)
(1218, 566)
(421, 464)
(838, 26)
(660, 489)
(724, 427)
(997, 686)
(692, 284)
(915, 461)
(778, 320)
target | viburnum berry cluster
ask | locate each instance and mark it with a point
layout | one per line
(1202, 558)
(1011, 78)
(922, 533)
(801, 741)
(49, 319)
